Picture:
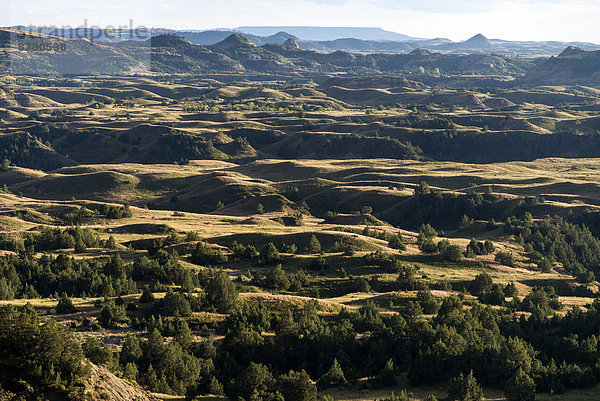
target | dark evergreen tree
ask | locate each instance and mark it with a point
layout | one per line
(465, 388)
(333, 377)
(297, 386)
(520, 387)
(221, 293)
(65, 305)
(269, 254)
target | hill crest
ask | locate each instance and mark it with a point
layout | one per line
(234, 41)
(572, 51)
(478, 41)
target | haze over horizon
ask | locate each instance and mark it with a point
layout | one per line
(538, 20)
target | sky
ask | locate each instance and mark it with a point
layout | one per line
(569, 20)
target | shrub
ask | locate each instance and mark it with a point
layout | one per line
(204, 255)
(453, 253)
(397, 242)
(505, 257)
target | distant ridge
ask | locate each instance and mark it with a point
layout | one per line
(172, 53)
(327, 33)
(358, 40)
(573, 66)
(207, 38)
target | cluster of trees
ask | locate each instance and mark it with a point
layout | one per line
(483, 286)
(26, 150)
(115, 212)
(455, 342)
(258, 382)
(332, 146)
(51, 239)
(422, 120)
(54, 238)
(82, 214)
(25, 276)
(331, 350)
(277, 279)
(472, 147)
(554, 240)
(505, 257)
(180, 146)
(463, 345)
(541, 301)
(387, 262)
(207, 255)
(162, 267)
(448, 251)
(480, 248)
(241, 251)
(172, 239)
(397, 242)
(170, 367)
(441, 209)
(472, 345)
(41, 357)
(214, 106)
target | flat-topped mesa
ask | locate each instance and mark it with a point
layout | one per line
(169, 40)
